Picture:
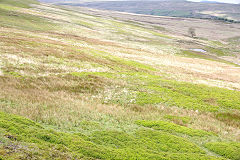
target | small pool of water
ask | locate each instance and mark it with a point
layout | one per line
(199, 50)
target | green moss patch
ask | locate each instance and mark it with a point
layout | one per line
(217, 51)
(150, 89)
(214, 57)
(229, 150)
(149, 140)
(125, 64)
(156, 90)
(173, 128)
(193, 54)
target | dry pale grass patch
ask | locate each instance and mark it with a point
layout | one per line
(193, 70)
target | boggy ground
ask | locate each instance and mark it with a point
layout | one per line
(77, 86)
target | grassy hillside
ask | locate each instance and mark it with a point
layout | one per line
(79, 86)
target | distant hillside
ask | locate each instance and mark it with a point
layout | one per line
(210, 2)
(180, 8)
